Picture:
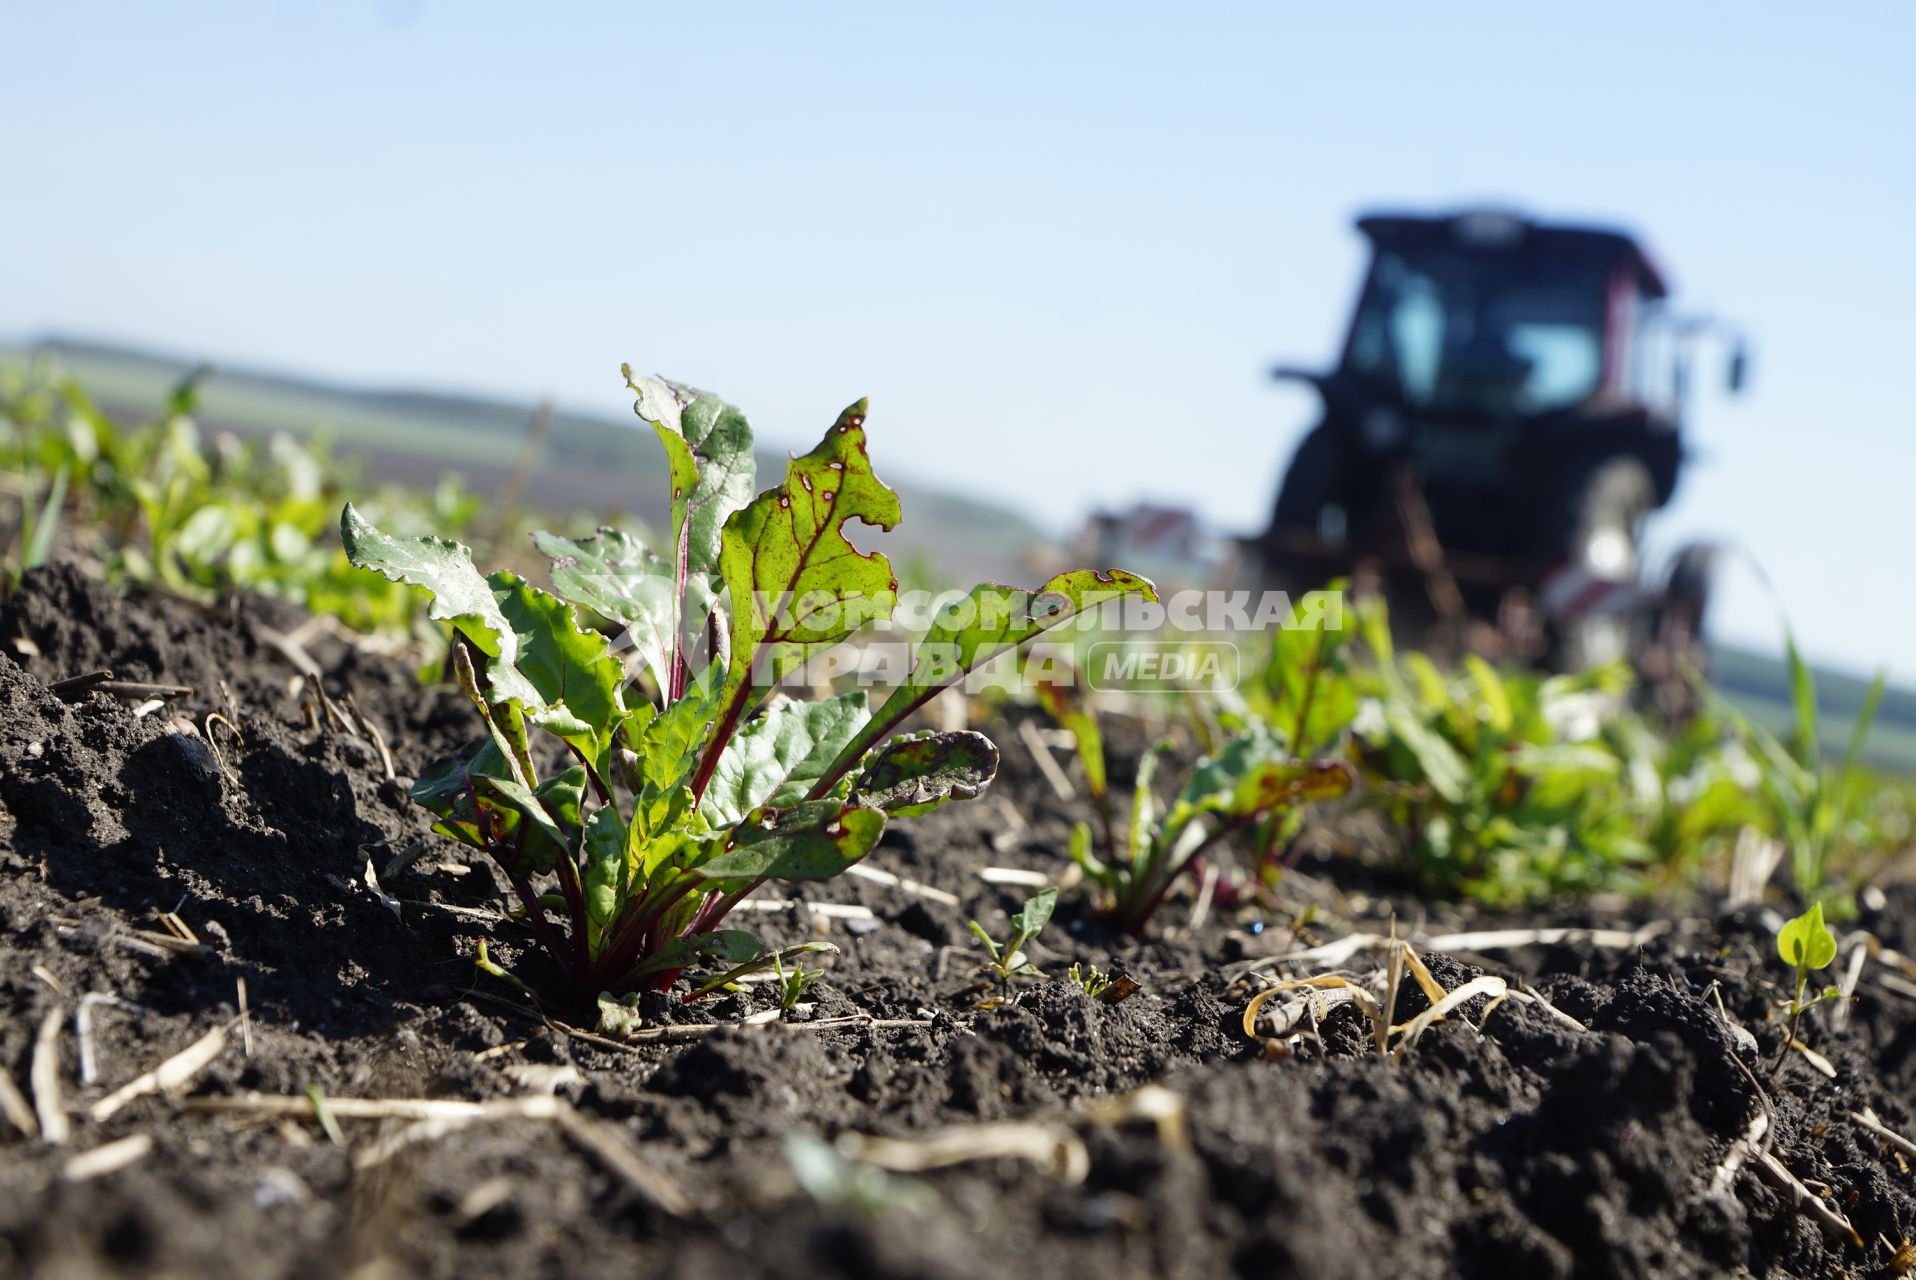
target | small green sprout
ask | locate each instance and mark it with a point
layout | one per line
(1008, 959)
(1093, 981)
(37, 532)
(1805, 944)
(1105, 988)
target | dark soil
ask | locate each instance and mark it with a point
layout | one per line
(1525, 1148)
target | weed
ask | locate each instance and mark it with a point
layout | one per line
(1008, 959)
(793, 983)
(1502, 781)
(1806, 945)
(1089, 979)
(1811, 804)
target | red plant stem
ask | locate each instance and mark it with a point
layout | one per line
(536, 913)
(624, 949)
(719, 906)
(1133, 921)
(633, 937)
(568, 872)
(658, 981)
(721, 737)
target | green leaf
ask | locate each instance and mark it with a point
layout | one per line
(445, 783)
(1865, 717)
(573, 672)
(1373, 624)
(1490, 689)
(668, 747)
(736, 946)
(613, 574)
(989, 621)
(1067, 704)
(1432, 693)
(1249, 776)
(1080, 849)
(811, 841)
(449, 788)
(1445, 770)
(562, 797)
(778, 756)
(459, 594)
(1306, 677)
(728, 946)
(1803, 691)
(1031, 918)
(1581, 761)
(1282, 784)
(40, 530)
(184, 399)
(619, 1016)
(793, 577)
(915, 774)
(1806, 943)
(557, 800)
(708, 445)
(507, 727)
(1143, 810)
(604, 873)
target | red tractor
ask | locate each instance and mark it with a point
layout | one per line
(1506, 414)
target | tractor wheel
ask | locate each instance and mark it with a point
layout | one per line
(1310, 483)
(1606, 514)
(1310, 487)
(1675, 651)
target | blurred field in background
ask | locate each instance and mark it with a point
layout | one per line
(607, 467)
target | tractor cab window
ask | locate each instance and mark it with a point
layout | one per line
(1656, 358)
(1452, 329)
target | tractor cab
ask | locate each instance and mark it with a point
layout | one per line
(1486, 317)
(1507, 408)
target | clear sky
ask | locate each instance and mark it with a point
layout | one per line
(1058, 244)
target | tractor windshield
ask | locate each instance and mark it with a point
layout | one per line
(1455, 329)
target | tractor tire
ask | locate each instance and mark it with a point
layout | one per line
(1311, 486)
(1607, 506)
(1675, 652)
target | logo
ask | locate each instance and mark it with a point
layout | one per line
(1162, 666)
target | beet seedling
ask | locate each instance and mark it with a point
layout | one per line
(1250, 781)
(1255, 783)
(669, 809)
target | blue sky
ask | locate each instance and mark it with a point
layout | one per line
(1076, 235)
